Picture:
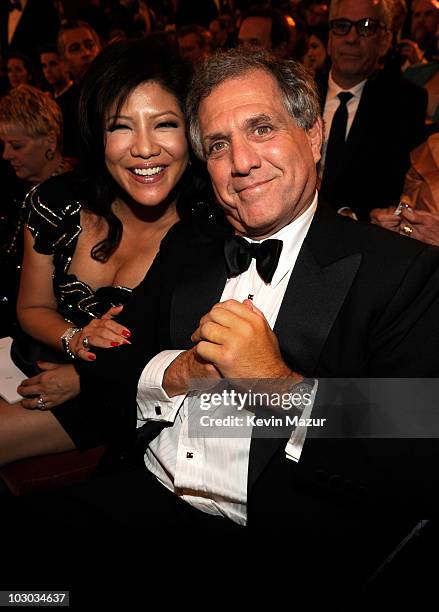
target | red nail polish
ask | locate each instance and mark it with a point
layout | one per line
(126, 333)
(91, 357)
(114, 343)
(126, 342)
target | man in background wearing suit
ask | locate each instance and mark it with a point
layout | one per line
(25, 25)
(78, 45)
(373, 119)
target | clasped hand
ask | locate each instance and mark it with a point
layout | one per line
(233, 340)
(235, 337)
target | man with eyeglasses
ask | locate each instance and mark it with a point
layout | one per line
(372, 119)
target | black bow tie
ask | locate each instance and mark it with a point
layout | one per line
(238, 253)
(15, 4)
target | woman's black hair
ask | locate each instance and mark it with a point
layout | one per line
(113, 75)
(320, 31)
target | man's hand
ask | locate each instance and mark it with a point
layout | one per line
(425, 225)
(237, 339)
(57, 384)
(186, 367)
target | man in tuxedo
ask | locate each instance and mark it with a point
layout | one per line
(26, 25)
(373, 119)
(284, 289)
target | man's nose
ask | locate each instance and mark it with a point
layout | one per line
(352, 35)
(86, 53)
(244, 156)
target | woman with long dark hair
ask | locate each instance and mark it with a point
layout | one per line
(91, 236)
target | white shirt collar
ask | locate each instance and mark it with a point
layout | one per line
(334, 89)
(292, 236)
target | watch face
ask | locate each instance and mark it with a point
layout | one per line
(302, 388)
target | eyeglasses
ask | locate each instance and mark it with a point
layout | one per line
(365, 27)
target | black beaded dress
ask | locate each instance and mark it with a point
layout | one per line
(13, 193)
(52, 214)
(55, 226)
(53, 217)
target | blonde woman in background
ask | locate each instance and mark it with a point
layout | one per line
(31, 135)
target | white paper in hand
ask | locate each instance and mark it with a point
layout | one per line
(10, 375)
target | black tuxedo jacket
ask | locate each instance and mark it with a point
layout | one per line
(388, 124)
(361, 302)
(38, 25)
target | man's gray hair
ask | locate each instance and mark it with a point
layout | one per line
(298, 90)
(385, 10)
(74, 24)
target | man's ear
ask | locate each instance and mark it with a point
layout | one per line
(315, 137)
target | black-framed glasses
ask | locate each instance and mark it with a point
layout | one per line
(365, 27)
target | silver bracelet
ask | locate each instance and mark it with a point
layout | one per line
(65, 340)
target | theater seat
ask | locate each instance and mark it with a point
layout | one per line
(50, 471)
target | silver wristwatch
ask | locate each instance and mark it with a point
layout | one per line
(65, 340)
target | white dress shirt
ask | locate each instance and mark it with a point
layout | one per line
(211, 473)
(332, 102)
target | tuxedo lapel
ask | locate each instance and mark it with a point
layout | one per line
(200, 287)
(4, 20)
(22, 27)
(320, 281)
(311, 304)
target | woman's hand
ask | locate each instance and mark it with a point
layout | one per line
(386, 218)
(55, 385)
(421, 225)
(103, 333)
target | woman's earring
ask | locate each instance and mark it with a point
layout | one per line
(49, 154)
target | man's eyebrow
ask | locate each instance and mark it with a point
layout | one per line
(256, 120)
(215, 136)
(249, 123)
